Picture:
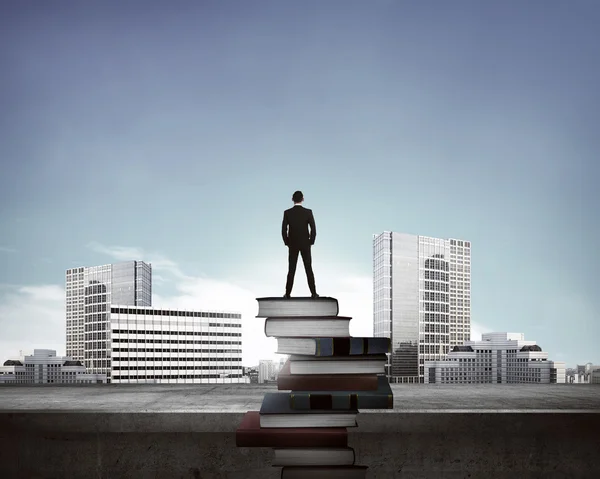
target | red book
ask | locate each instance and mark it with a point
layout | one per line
(325, 382)
(250, 434)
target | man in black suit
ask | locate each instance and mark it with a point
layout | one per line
(297, 238)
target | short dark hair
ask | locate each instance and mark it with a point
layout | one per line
(298, 197)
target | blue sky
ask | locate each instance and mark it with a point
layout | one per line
(177, 131)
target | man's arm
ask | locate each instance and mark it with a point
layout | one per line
(284, 225)
(313, 228)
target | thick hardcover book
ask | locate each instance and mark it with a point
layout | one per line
(325, 382)
(333, 346)
(301, 306)
(314, 456)
(363, 364)
(324, 472)
(382, 398)
(276, 412)
(250, 434)
(295, 326)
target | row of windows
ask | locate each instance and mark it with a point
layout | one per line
(96, 299)
(436, 317)
(180, 341)
(168, 368)
(431, 296)
(96, 308)
(436, 328)
(74, 270)
(439, 307)
(96, 326)
(435, 286)
(152, 360)
(175, 376)
(159, 312)
(176, 350)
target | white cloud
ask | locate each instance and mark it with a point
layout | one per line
(32, 317)
(6, 249)
(125, 253)
(477, 330)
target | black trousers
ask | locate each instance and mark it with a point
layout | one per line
(293, 261)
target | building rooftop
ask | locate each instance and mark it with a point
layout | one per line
(533, 347)
(239, 398)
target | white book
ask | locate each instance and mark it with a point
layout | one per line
(337, 326)
(363, 364)
(299, 306)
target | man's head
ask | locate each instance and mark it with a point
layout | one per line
(298, 197)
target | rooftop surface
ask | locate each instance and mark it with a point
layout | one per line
(239, 398)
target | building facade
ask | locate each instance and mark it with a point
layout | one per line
(89, 293)
(268, 370)
(499, 358)
(45, 367)
(421, 299)
(146, 345)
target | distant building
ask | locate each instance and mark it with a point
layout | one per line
(113, 330)
(499, 358)
(89, 292)
(268, 370)
(252, 374)
(421, 299)
(146, 345)
(583, 374)
(45, 367)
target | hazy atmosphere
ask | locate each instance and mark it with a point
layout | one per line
(176, 132)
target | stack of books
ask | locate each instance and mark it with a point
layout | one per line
(330, 376)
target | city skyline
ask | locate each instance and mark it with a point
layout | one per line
(176, 135)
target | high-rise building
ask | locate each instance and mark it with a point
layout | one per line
(421, 299)
(499, 358)
(89, 293)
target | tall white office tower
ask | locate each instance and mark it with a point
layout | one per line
(89, 293)
(421, 299)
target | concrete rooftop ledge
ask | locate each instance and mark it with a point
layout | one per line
(219, 408)
(188, 431)
(234, 398)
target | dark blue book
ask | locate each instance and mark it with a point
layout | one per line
(277, 412)
(381, 398)
(336, 346)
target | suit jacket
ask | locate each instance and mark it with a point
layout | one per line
(294, 228)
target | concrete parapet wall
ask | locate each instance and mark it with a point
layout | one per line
(392, 444)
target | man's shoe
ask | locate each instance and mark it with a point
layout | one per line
(314, 295)
(286, 296)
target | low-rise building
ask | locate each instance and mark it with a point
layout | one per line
(499, 358)
(150, 345)
(45, 367)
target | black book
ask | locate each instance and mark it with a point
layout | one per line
(332, 346)
(277, 412)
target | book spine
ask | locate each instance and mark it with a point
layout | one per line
(330, 383)
(305, 401)
(372, 346)
(324, 346)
